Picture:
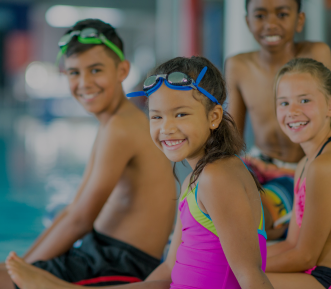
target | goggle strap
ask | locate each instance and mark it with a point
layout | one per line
(177, 87)
(62, 51)
(206, 93)
(201, 75)
(90, 40)
(113, 47)
(136, 94)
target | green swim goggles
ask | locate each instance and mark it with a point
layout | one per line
(87, 36)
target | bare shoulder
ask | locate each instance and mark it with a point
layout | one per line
(318, 179)
(128, 124)
(321, 166)
(240, 60)
(319, 51)
(224, 174)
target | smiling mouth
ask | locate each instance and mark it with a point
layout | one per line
(89, 96)
(171, 143)
(296, 125)
(272, 38)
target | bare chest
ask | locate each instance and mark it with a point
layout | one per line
(257, 92)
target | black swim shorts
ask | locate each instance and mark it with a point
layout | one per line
(98, 260)
(322, 275)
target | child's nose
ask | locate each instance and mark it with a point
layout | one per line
(168, 127)
(84, 81)
(271, 22)
(293, 109)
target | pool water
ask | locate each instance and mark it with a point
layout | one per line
(41, 164)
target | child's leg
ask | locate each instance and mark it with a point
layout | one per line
(293, 281)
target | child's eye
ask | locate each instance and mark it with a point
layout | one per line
(283, 103)
(95, 70)
(156, 117)
(180, 114)
(282, 15)
(73, 73)
(304, 100)
(259, 16)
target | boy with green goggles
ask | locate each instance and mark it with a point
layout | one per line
(87, 36)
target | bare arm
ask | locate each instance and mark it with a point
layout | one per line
(236, 106)
(288, 244)
(107, 170)
(322, 53)
(231, 212)
(316, 222)
(293, 231)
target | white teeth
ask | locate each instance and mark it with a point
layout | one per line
(89, 96)
(273, 38)
(173, 143)
(297, 124)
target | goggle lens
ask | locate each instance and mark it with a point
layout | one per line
(89, 33)
(150, 81)
(65, 39)
(178, 78)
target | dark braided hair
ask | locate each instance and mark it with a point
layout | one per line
(299, 2)
(75, 47)
(224, 141)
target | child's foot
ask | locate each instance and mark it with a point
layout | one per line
(27, 276)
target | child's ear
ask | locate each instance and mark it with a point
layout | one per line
(301, 22)
(215, 117)
(123, 69)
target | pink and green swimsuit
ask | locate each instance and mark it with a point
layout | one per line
(200, 261)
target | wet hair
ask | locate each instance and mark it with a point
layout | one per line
(224, 141)
(299, 2)
(75, 47)
(307, 65)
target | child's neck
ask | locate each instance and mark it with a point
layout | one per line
(312, 147)
(118, 102)
(278, 58)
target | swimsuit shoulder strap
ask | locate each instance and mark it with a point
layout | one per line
(328, 140)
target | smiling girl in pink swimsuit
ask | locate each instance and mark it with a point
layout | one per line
(219, 239)
(303, 92)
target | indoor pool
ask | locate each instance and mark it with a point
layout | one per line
(41, 163)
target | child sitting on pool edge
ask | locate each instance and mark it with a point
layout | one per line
(303, 103)
(125, 208)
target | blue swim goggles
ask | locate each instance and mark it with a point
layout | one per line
(173, 80)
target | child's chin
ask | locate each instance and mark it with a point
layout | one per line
(174, 158)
